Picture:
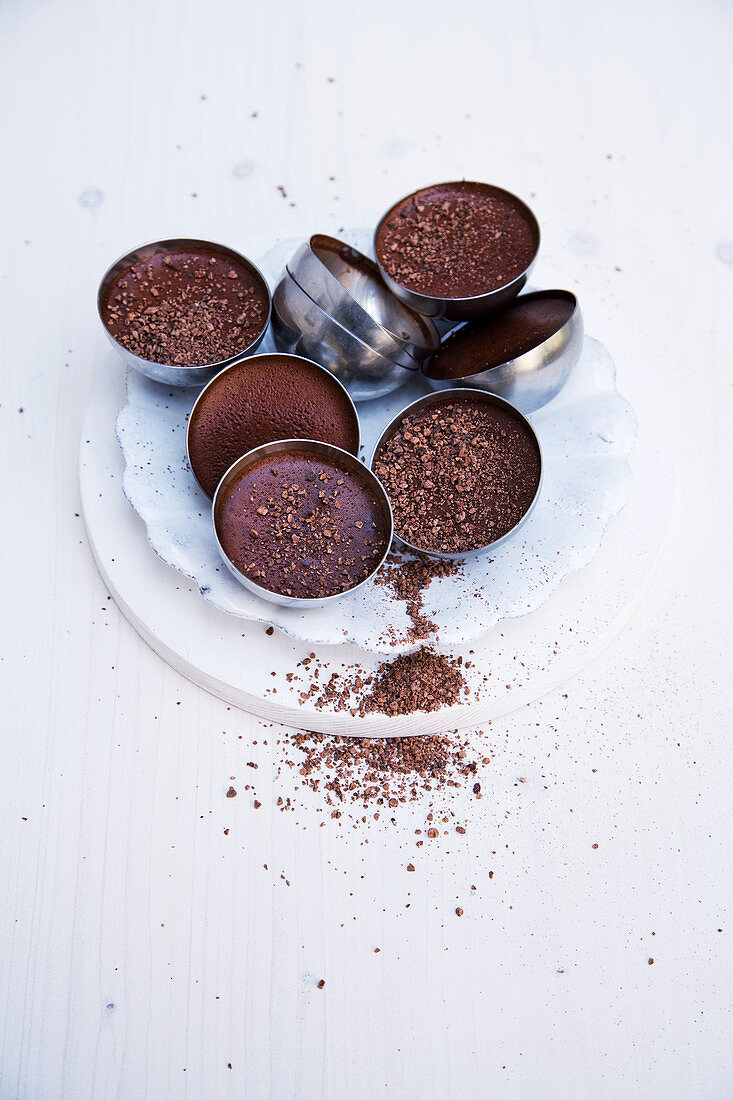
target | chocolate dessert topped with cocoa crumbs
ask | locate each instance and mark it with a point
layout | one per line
(301, 524)
(460, 473)
(187, 307)
(457, 240)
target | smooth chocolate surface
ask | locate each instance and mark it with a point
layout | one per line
(521, 326)
(302, 525)
(459, 474)
(457, 240)
(188, 307)
(259, 400)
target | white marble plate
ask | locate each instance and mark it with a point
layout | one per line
(586, 434)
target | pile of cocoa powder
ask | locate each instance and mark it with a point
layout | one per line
(420, 681)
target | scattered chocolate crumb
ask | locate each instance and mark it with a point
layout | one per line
(380, 771)
(650, 960)
(321, 983)
(231, 793)
(459, 912)
(270, 630)
(410, 866)
(408, 578)
(257, 804)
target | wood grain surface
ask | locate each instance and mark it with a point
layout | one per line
(143, 951)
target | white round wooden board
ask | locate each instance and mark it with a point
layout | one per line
(516, 662)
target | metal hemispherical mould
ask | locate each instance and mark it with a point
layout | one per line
(302, 327)
(343, 459)
(444, 398)
(172, 374)
(531, 377)
(347, 285)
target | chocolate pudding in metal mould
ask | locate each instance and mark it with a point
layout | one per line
(261, 399)
(525, 352)
(462, 470)
(179, 310)
(301, 523)
(457, 250)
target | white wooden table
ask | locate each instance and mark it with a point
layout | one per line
(142, 950)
